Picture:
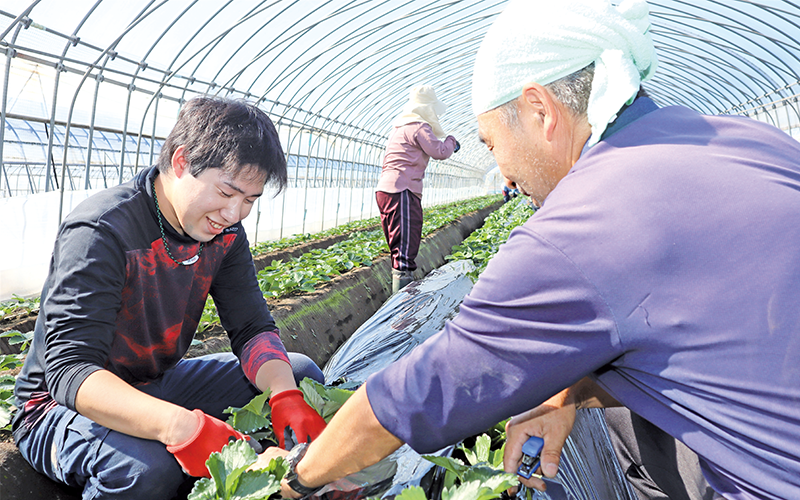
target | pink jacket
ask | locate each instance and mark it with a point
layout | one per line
(408, 151)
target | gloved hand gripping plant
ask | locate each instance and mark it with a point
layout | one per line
(227, 476)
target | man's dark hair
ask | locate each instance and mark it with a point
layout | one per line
(227, 134)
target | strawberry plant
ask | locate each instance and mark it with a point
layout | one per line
(481, 477)
(7, 407)
(474, 472)
(253, 418)
(326, 400)
(230, 478)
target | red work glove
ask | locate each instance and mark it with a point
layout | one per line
(210, 436)
(290, 412)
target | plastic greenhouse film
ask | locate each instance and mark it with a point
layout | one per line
(589, 469)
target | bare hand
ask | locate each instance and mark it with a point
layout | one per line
(552, 421)
(269, 454)
(263, 461)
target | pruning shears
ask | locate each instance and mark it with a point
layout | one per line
(530, 456)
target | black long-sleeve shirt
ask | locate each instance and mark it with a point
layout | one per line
(115, 300)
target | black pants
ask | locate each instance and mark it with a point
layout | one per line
(657, 465)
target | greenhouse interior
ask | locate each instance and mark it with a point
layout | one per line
(92, 88)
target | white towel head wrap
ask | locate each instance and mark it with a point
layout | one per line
(544, 40)
(423, 106)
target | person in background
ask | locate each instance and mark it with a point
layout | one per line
(106, 401)
(416, 137)
(509, 190)
(642, 280)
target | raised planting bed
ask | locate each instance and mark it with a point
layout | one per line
(318, 265)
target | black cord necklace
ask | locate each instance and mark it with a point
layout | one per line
(187, 262)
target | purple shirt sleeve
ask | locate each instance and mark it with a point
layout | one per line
(509, 349)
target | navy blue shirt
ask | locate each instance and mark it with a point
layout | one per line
(115, 300)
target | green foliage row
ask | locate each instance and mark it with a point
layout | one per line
(483, 243)
(18, 305)
(302, 274)
(358, 225)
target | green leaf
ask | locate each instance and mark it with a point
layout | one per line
(483, 484)
(261, 484)
(500, 482)
(204, 489)
(497, 479)
(253, 416)
(496, 457)
(413, 493)
(226, 466)
(472, 490)
(326, 400)
(10, 361)
(451, 464)
(16, 337)
(480, 452)
(255, 485)
(312, 397)
(231, 479)
(5, 415)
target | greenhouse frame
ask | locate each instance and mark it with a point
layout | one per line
(92, 87)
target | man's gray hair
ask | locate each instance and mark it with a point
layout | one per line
(572, 91)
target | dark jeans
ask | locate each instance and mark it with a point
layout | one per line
(74, 450)
(658, 466)
(401, 219)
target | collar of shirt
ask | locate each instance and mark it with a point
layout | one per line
(627, 115)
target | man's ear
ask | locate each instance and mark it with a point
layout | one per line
(179, 162)
(539, 100)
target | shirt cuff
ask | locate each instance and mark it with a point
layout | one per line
(264, 347)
